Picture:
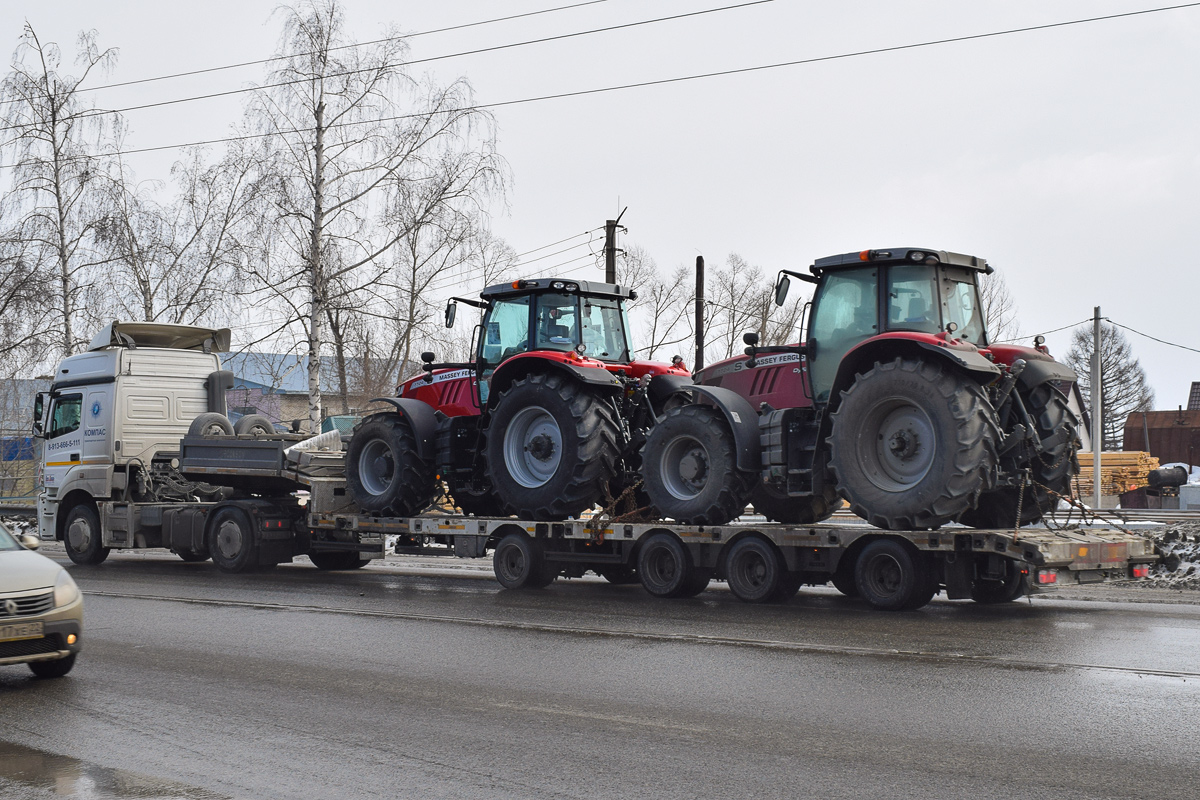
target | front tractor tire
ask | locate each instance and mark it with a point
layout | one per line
(913, 445)
(552, 447)
(385, 471)
(689, 468)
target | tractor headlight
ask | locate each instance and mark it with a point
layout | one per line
(557, 285)
(65, 590)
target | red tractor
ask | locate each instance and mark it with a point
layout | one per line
(547, 421)
(896, 401)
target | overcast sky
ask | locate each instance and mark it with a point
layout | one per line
(1068, 157)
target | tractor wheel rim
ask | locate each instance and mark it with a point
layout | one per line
(684, 466)
(532, 447)
(79, 535)
(898, 444)
(376, 467)
(229, 539)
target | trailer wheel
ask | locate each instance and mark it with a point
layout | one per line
(82, 537)
(890, 577)
(665, 569)
(231, 540)
(211, 424)
(754, 571)
(337, 559)
(843, 578)
(697, 581)
(255, 424)
(690, 468)
(192, 556)
(52, 669)
(619, 575)
(551, 446)
(520, 563)
(913, 445)
(384, 469)
(1013, 587)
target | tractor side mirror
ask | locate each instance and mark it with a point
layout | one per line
(781, 289)
(427, 358)
(451, 312)
(39, 408)
(750, 338)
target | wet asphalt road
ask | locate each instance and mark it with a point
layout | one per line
(405, 682)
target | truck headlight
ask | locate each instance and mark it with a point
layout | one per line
(65, 590)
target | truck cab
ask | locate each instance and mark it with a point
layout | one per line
(115, 411)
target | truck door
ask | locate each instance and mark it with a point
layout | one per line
(63, 448)
(97, 424)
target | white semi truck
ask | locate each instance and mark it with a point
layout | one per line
(138, 453)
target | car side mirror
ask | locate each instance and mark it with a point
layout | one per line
(30, 542)
(781, 289)
(451, 312)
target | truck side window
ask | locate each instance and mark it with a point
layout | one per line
(65, 418)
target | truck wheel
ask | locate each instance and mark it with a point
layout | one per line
(913, 445)
(52, 669)
(231, 540)
(890, 577)
(552, 446)
(519, 563)
(1014, 586)
(337, 559)
(384, 469)
(477, 500)
(665, 569)
(799, 510)
(754, 570)
(192, 556)
(82, 537)
(255, 424)
(211, 424)
(689, 467)
(1052, 469)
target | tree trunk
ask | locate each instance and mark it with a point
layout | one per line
(317, 305)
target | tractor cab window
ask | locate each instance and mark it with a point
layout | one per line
(556, 322)
(846, 313)
(913, 299)
(604, 329)
(960, 303)
(65, 418)
(505, 331)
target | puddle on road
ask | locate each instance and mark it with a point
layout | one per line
(51, 775)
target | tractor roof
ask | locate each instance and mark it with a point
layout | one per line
(554, 285)
(897, 255)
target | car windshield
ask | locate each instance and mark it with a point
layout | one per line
(7, 541)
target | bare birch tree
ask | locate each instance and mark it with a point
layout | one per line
(999, 309)
(342, 134)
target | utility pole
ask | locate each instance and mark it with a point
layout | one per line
(1097, 409)
(699, 314)
(610, 247)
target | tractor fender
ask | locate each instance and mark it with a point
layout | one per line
(1038, 372)
(742, 419)
(889, 346)
(508, 372)
(663, 386)
(422, 418)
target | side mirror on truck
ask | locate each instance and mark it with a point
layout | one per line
(39, 408)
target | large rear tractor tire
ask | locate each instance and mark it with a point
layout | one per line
(689, 468)
(1050, 470)
(385, 471)
(552, 447)
(913, 445)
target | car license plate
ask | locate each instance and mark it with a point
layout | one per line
(14, 631)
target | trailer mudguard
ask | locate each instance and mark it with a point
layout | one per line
(1038, 372)
(742, 419)
(423, 420)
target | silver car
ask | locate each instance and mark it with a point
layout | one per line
(41, 609)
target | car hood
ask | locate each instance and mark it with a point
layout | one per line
(23, 570)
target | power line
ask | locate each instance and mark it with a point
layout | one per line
(342, 47)
(438, 284)
(660, 82)
(1153, 338)
(1044, 333)
(247, 89)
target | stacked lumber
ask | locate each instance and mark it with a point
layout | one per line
(1119, 472)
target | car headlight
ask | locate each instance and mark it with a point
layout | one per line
(65, 590)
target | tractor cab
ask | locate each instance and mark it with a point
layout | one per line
(918, 293)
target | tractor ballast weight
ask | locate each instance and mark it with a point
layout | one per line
(896, 398)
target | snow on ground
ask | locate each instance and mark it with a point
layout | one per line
(1179, 545)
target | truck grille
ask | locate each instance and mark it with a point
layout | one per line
(26, 606)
